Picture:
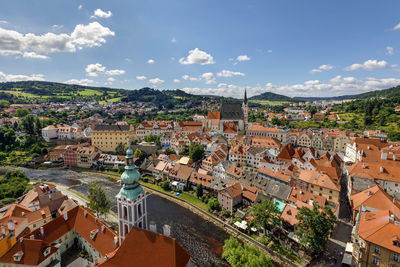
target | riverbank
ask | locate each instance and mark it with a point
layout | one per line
(278, 259)
(196, 234)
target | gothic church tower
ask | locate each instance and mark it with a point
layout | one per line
(245, 108)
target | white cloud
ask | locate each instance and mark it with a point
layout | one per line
(150, 61)
(110, 79)
(395, 65)
(98, 13)
(57, 27)
(20, 77)
(397, 27)
(33, 55)
(197, 56)
(389, 50)
(172, 58)
(243, 58)
(141, 78)
(177, 81)
(322, 68)
(3, 22)
(269, 51)
(173, 40)
(228, 73)
(209, 78)
(115, 72)
(80, 82)
(338, 85)
(189, 78)
(128, 59)
(80, 7)
(156, 81)
(371, 64)
(15, 43)
(94, 70)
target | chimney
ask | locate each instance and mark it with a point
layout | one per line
(102, 228)
(85, 213)
(22, 213)
(153, 227)
(21, 239)
(394, 201)
(392, 218)
(3, 230)
(65, 216)
(32, 237)
(381, 169)
(167, 230)
(115, 240)
(363, 166)
(42, 230)
(10, 226)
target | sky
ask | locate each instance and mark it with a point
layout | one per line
(218, 47)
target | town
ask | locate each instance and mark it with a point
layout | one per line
(264, 182)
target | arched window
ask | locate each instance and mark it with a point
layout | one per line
(140, 225)
(140, 210)
(125, 213)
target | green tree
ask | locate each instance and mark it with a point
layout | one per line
(247, 256)
(153, 139)
(28, 124)
(37, 127)
(4, 104)
(137, 153)
(196, 152)
(266, 214)
(165, 185)
(21, 112)
(169, 151)
(199, 190)
(213, 204)
(98, 200)
(120, 149)
(314, 227)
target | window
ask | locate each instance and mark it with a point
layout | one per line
(395, 257)
(375, 260)
(377, 250)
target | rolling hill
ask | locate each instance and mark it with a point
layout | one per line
(273, 97)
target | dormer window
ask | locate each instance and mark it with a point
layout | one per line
(46, 251)
(93, 233)
(18, 256)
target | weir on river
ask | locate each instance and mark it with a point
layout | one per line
(201, 239)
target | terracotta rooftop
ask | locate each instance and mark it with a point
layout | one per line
(32, 252)
(83, 222)
(375, 198)
(144, 248)
(378, 228)
(319, 179)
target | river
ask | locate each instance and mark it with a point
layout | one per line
(201, 239)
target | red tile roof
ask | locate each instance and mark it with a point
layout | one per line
(142, 248)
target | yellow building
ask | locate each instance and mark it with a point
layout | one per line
(319, 183)
(108, 137)
(376, 241)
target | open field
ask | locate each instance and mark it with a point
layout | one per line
(269, 103)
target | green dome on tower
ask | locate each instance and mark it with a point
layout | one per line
(131, 189)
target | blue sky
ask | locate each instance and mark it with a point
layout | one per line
(295, 48)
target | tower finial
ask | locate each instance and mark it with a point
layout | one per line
(245, 95)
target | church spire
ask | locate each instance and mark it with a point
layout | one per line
(245, 96)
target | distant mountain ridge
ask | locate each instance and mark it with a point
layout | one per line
(61, 91)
